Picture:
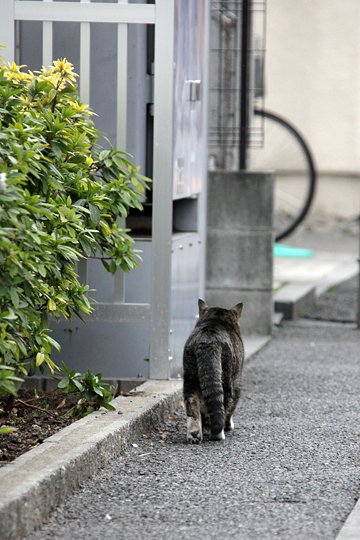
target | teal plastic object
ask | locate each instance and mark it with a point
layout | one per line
(281, 250)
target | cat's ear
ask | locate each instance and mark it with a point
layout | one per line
(202, 306)
(238, 308)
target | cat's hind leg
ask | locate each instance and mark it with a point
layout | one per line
(194, 428)
(205, 419)
(229, 422)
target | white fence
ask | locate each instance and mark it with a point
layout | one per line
(123, 14)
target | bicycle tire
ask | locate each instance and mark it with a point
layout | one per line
(310, 175)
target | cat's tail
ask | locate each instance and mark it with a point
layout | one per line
(210, 377)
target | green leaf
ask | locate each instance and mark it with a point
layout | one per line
(8, 315)
(7, 429)
(14, 296)
(98, 392)
(42, 270)
(78, 385)
(109, 406)
(40, 357)
(51, 305)
(94, 214)
(64, 383)
(103, 154)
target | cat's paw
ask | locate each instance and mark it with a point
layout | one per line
(229, 424)
(219, 436)
(194, 432)
(195, 437)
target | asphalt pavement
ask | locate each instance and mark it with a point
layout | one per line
(290, 469)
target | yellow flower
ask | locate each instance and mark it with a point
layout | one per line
(12, 66)
(58, 74)
(81, 108)
(53, 78)
(65, 68)
(27, 101)
(13, 73)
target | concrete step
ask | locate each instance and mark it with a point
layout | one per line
(294, 300)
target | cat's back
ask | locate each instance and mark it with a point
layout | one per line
(216, 330)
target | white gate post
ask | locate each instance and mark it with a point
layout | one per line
(7, 37)
(162, 190)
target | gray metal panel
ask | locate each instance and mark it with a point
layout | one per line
(31, 40)
(138, 281)
(100, 281)
(104, 347)
(66, 43)
(138, 94)
(120, 312)
(189, 110)
(103, 67)
(184, 294)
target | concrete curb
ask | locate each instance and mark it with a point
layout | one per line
(37, 482)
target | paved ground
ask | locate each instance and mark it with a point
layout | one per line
(289, 470)
(335, 247)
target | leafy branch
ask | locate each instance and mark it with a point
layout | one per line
(62, 197)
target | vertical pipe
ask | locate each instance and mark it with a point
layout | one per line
(244, 83)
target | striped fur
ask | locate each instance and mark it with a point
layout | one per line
(213, 359)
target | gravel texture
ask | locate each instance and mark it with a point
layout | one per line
(338, 304)
(290, 469)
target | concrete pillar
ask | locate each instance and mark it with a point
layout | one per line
(239, 261)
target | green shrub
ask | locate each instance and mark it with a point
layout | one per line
(90, 389)
(61, 199)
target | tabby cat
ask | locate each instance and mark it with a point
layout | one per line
(213, 360)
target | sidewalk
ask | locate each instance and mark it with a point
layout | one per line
(289, 470)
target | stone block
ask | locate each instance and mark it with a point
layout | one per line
(257, 313)
(238, 199)
(239, 259)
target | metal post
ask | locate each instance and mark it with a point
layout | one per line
(162, 190)
(244, 83)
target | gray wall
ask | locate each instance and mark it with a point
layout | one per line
(239, 246)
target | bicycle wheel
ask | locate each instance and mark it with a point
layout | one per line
(285, 151)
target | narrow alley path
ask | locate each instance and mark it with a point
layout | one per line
(290, 469)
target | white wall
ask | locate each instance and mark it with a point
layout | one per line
(313, 79)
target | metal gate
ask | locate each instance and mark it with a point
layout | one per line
(174, 256)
